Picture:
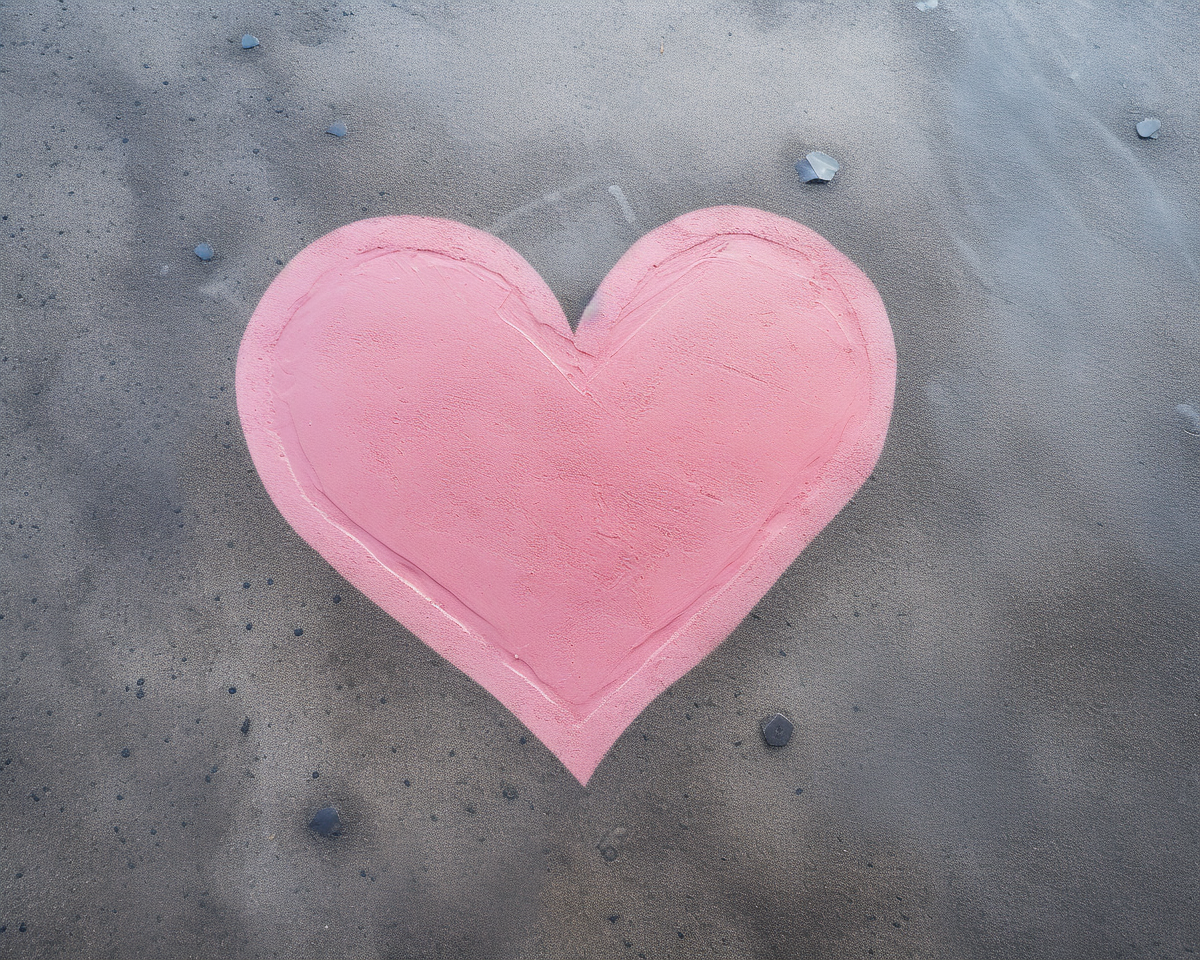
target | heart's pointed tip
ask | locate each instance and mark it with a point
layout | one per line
(579, 748)
(582, 778)
(581, 770)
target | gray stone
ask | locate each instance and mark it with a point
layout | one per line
(204, 251)
(818, 167)
(1148, 128)
(249, 42)
(777, 730)
(326, 822)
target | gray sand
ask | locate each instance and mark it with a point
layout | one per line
(990, 656)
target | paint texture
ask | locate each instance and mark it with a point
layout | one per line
(572, 518)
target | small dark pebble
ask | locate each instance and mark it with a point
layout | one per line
(338, 129)
(232, 691)
(125, 752)
(249, 42)
(336, 598)
(777, 730)
(204, 251)
(141, 693)
(298, 632)
(246, 727)
(316, 774)
(327, 822)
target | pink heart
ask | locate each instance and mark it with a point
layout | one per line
(572, 519)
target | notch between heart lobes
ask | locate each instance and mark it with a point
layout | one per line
(572, 519)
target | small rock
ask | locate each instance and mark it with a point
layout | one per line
(249, 42)
(246, 727)
(817, 166)
(337, 128)
(777, 730)
(1148, 128)
(1191, 417)
(204, 251)
(326, 822)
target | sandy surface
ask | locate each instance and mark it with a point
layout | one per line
(990, 655)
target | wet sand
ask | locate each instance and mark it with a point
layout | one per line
(990, 655)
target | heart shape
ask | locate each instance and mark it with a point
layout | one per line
(572, 519)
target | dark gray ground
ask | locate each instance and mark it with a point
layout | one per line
(990, 656)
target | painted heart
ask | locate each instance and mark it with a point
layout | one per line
(572, 519)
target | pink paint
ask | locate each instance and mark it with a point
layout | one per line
(574, 520)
